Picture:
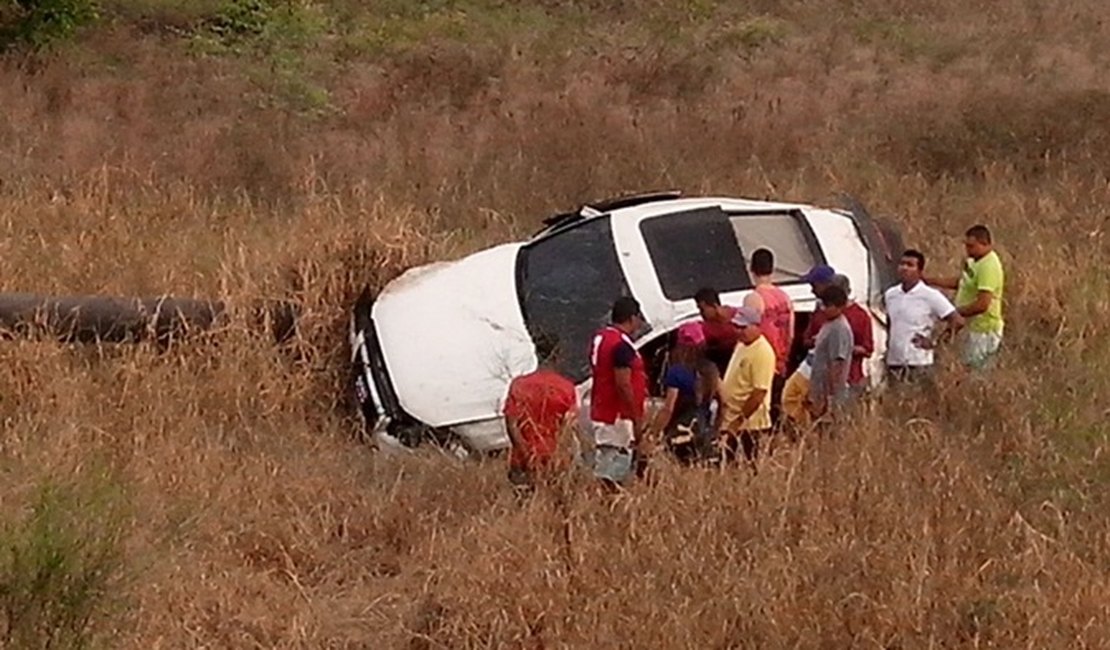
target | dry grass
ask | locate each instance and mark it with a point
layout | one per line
(130, 165)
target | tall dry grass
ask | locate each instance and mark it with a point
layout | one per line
(129, 165)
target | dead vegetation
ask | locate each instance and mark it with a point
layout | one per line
(140, 160)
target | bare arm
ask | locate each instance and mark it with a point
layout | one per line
(752, 404)
(627, 397)
(512, 426)
(754, 301)
(866, 344)
(665, 413)
(982, 304)
(943, 283)
(793, 324)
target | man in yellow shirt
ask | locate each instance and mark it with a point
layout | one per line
(745, 392)
(979, 294)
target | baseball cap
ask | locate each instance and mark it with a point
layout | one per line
(691, 334)
(822, 273)
(746, 316)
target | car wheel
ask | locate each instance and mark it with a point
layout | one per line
(453, 446)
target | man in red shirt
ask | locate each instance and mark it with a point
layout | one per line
(721, 335)
(539, 407)
(862, 333)
(618, 394)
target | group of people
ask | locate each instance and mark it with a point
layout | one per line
(728, 383)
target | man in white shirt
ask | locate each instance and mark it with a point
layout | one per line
(914, 309)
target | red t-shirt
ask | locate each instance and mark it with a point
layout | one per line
(721, 339)
(539, 402)
(613, 349)
(775, 324)
(860, 322)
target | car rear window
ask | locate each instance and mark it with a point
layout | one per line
(786, 235)
(710, 248)
(567, 283)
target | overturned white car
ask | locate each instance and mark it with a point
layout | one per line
(434, 352)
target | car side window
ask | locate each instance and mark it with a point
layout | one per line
(695, 249)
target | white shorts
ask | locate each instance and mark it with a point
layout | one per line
(618, 434)
(981, 348)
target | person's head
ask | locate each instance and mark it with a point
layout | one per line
(763, 263)
(820, 278)
(689, 344)
(747, 322)
(911, 266)
(834, 299)
(977, 241)
(708, 302)
(842, 281)
(627, 315)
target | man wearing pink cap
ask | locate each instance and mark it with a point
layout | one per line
(745, 392)
(689, 386)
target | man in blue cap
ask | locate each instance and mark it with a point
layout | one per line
(820, 277)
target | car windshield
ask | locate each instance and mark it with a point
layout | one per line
(567, 283)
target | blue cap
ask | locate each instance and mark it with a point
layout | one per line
(822, 273)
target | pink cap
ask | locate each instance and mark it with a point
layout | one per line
(691, 334)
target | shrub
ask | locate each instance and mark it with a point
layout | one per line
(39, 23)
(58, 565)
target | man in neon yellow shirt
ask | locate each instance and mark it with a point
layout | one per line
(979, 298)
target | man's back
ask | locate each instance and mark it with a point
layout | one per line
(539, 402)
(776, 324)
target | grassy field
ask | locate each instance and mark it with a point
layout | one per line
(213, 495)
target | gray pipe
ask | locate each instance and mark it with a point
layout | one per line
(120, 320)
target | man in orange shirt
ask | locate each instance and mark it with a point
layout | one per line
(540, 406)
(776, 310)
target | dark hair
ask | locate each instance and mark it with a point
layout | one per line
(917, 255)
(624, 309)
(979, 232)
(708, 296)
(835, 296)
(763, 262)
(547, 347)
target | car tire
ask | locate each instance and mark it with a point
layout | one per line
(453, 446)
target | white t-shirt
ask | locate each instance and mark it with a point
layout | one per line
(912, 313)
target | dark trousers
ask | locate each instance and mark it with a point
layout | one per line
(743, 441)
(777, 385)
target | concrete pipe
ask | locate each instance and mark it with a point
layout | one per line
(119, 320)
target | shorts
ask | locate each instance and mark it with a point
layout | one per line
(613, 464)
(910, 374)
(794, 396)
(617, 434)
(981, 349)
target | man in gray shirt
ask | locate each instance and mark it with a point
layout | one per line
(832, 355)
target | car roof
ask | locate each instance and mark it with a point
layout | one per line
(672, 206)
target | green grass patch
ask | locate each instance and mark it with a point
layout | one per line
(60, 563)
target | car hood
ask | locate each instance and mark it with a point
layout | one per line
(453, 336)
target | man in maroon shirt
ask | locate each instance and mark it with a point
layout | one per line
(721, 335)
(618, 394)
(540, 406)
(858, 319)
